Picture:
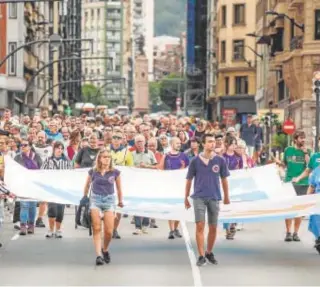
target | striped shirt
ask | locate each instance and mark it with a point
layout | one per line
(56, 163)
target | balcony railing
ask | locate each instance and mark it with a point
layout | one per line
(296, 43)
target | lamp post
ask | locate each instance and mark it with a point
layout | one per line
(50, 64)
(55, 40)
(293, 22)
(73, 81)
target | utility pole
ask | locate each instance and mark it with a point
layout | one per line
(316, 90)
(56, 16)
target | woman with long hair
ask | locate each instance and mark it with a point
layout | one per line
(56, 161)
(74, 143)
(102, 179)
(234, 162)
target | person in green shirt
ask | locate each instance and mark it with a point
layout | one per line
(296, 158)
(314, 162)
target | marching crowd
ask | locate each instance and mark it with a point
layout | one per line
(209, 150)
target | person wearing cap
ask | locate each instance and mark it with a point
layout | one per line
(248, 132)
(295, 159)
(231, 131)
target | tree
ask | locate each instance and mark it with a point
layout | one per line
(172, 87)
(91, 94)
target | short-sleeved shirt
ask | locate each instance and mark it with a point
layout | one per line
(122, 157)
(295, 161)
(314, 180)
(234, 161)
(146, 157)
(86, 157)
(174, 161)
(314, 161)
(103, 184)
(207, 177)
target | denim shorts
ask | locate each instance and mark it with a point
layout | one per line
(202, 206)
(103, 202)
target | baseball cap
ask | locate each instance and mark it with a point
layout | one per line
(231, 130)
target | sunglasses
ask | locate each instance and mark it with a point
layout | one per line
(116, 138)
(24, 145)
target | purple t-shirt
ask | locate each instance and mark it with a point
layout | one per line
(173, 161)
(233, 161)
(207, 177)
(103, 184)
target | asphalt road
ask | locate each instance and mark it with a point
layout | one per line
(257, 256)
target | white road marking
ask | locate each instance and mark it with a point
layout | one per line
(192, 257)
(15, 237)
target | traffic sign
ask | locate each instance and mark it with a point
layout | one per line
(289, 127)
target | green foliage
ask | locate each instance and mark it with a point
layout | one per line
(280, 140)
(92, 94)
(170, 17)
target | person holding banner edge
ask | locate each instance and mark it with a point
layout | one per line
(207, 169)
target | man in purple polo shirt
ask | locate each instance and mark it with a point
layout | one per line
(207, 169)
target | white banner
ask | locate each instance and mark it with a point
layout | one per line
(256, 194)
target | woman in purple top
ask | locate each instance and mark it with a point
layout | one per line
(102, 200)
(234, 162)
(171, 161)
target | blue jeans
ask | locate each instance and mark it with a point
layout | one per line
(28, 212)
(141, 221)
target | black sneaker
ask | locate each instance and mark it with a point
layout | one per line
(116, 235)
(171, 235)
(106, 257)
(99, 260)
(288, 237)
(39, 223)
(201, 261)
(211, 259)
(295, 237)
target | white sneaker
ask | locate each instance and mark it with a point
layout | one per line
(144, 229)
(58, 234)
(137, 232)
(49, 234)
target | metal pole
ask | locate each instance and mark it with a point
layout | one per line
(65, 82)
(316, 143)
(36, 42)
(49, 64)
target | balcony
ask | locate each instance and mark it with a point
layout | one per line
(113, 27)
(113, 38)
(296, 43)
(113, 16)
(295, 3)
(30, 60)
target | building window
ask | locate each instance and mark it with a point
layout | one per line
(239, 14)
(13, 12)
(226, 85)
(241, 85)
(224, 16)
(98, 71)
(92, 14)
(317, 25)
(238, 49)
(86, 71)
(86, 16)
(12, 67)
(223, 51)
(98, 14)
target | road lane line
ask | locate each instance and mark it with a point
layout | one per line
(192, 257)
(15, 237)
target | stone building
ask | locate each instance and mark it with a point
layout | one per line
(294, 56)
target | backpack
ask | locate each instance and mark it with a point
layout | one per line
(83, 216)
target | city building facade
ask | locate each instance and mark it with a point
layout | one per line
(293, 58)
(12, 81)
(236, 54)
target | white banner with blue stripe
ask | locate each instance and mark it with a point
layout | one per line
(256, 194)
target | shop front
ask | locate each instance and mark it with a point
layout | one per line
(234, 110)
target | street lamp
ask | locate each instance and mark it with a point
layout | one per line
(293, 22)
(50, 64)
(55, 40)
(255, 52)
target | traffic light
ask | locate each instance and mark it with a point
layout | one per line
(316, 86)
